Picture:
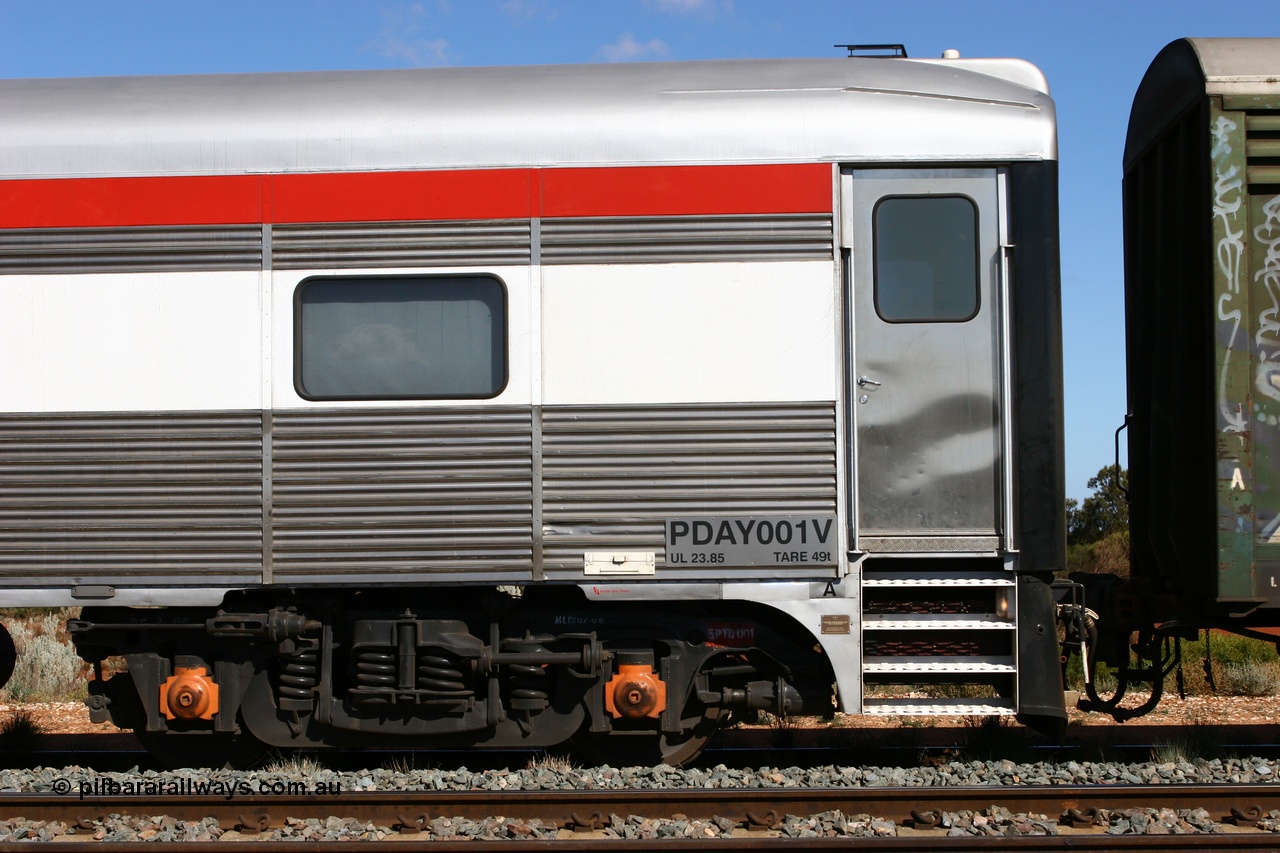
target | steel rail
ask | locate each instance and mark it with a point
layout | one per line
(590, 809)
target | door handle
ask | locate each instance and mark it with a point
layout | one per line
(864, 382)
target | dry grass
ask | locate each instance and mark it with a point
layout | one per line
(986, 738)
(551, 764)
(20, 732)
(1250, 678)
(295, 766)
(1196, 742)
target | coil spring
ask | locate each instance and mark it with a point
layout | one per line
(440, 674)
(527, 684)
(528, 687)
(376, 668)
(299, 675)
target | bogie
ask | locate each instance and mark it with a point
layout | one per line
(497, 674)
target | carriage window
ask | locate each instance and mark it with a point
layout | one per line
(362, 338)
(926, 259)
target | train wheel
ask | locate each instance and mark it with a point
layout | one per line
(213, 750)
(635, 749)
(8, 656)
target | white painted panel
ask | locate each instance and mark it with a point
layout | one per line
(130, 342)
(518, 389)
(687, 333)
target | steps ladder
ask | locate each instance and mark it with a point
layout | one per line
(947, 638)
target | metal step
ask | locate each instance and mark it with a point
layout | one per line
(939, 664)
(926, 579)
(936, 622)
(938, 707)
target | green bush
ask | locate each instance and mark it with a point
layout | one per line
(1233, 648)
(1241, 666)
(1250, 678)
(1107, 555)
(48, 670)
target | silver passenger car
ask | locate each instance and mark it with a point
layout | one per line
(508, 406)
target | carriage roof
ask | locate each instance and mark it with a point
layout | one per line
(741, 111)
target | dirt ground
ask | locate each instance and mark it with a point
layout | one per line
(73, 717)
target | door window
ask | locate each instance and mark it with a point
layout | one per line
(926, 259)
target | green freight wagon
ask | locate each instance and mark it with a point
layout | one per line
(1202, 293)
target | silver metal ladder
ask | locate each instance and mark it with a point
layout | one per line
(939, 642)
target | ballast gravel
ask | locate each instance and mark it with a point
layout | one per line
(994, 821)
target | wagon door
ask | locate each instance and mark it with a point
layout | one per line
(924, 260)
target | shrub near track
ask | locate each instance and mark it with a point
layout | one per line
(1239, 666)
(48, 670)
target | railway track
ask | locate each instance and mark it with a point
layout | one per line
(750, 747)
(752, 819)
(911, 818)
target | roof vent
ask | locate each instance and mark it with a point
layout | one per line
(951, 53)
(876, 51)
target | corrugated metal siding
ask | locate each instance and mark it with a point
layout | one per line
(123, 497)
(655, 239)
(1262, 147)
(612, 476)
(86, 250)
(391, 493)
(385, 496)
(400, 244)
(671, 239)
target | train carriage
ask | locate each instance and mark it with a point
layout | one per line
(1201, 191)
(515, 406)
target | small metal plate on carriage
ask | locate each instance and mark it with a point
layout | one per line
(618, 562)
(835, 623)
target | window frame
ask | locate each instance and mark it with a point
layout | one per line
(977, 257)
(502, 328)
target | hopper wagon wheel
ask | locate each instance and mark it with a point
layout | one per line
(8, 656)
(201, 750)
(650, 748)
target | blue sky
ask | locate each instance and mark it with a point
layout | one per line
(1094, 54)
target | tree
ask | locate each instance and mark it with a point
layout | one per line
(1098, 528)
(1103, 513)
